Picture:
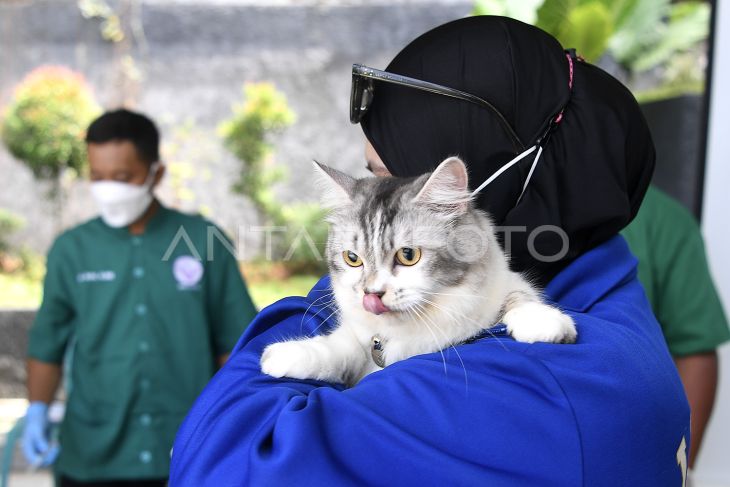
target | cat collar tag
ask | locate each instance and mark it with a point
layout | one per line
(376, 351)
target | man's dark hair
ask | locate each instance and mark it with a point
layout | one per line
(122, 124)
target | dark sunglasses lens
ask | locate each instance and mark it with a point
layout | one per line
(361, 97)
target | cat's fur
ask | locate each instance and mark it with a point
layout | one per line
(460, 286)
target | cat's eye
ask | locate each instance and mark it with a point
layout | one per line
(408, 255)
(351, 258)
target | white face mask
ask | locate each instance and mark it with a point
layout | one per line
(511, 163)
(122, 203)
(539, 144)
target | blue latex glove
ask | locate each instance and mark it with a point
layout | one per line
(37, 448)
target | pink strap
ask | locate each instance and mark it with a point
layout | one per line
(570, 84)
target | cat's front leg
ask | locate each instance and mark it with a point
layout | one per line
(337, 357)
(530, 320)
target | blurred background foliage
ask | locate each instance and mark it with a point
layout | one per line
(45, 123)
(301, 231)
(43, 126)
(186, 150)
(263, 113)
(637, 35)
(21, 269)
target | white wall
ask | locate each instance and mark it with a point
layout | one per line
(713, 466)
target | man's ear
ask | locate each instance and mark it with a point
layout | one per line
(447, 188)
(159, 174)
(337, 186)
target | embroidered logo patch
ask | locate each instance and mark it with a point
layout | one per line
(187, 271)
(96, 276)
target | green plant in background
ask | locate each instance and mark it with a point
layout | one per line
(247, 134)
(187, 150)
(45, 123)
(121, 26)
(638, 34)
(21, 269)
(263, 113)
(9, 224)
(306, 235)
(111, 25)
(523, 10)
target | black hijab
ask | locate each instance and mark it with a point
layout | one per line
(595, 167)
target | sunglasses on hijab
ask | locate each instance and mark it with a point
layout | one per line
(363, 94)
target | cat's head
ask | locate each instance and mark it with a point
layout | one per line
(397, 244)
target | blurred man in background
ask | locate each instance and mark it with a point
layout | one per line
(673, 268)
(153, 302)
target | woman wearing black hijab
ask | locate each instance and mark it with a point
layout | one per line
(596, 164)
(608, 410)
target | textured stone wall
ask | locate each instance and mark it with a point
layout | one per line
(14, 326)
(195, 56)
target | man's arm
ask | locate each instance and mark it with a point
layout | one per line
(699, 377)
(43, 380)
(52, 328)
(48, 338)
(222, 359)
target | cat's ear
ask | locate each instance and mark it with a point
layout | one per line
(447, 188)
(337, 186)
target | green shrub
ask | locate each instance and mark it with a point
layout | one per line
(263, 113)
(21, 262)
(247, 134)
(9, 224)
(303, 244)
(44, 124)
(638, 34)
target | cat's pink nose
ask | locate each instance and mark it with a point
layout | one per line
(372, 303)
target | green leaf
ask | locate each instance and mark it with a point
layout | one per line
(636, 28)
(523, 10)
(689, 24)
(587, 28)
(552, 14)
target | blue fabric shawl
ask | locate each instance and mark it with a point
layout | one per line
(608, 410)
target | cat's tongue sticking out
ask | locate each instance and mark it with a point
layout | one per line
(372, 302)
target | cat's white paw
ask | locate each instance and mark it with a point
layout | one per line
(537, 322)
(289, 359)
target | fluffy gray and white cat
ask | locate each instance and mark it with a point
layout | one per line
(415, 268)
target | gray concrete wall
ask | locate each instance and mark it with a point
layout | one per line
(14, 326)
(194, 57)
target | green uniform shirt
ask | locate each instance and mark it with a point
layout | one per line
(673, 269)
(149, 315)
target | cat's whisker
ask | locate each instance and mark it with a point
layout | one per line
(460, 295)
(422, 318)
(325, 307)
(451, 345)
(449, 312)
(458, 355)
(311, 334)
(329, 294)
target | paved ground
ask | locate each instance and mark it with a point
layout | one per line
(37, 479)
